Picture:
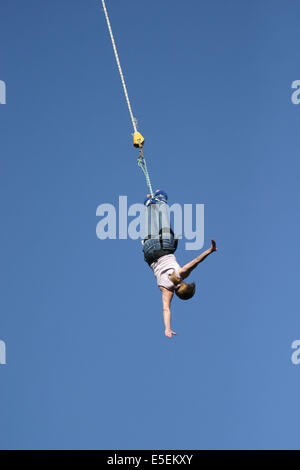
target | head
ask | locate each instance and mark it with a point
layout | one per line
(183, 290)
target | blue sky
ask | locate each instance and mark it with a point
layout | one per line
(87, 363)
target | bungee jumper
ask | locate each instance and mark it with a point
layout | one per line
(160, 243)
(159, 247)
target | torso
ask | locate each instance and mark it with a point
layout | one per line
(162, 268)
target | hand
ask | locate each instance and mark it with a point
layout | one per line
(213, 246)
(169, 333)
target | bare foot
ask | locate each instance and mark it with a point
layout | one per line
(169, 333)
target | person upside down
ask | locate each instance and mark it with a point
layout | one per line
(159, 247)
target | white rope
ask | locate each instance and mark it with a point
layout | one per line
(133, 120)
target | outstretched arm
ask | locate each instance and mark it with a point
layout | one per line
(167, 296)
(186, 270)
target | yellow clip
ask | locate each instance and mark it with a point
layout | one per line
(138, 140)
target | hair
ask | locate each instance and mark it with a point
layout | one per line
(184, 291)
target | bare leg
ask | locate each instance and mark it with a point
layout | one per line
(186, 270)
